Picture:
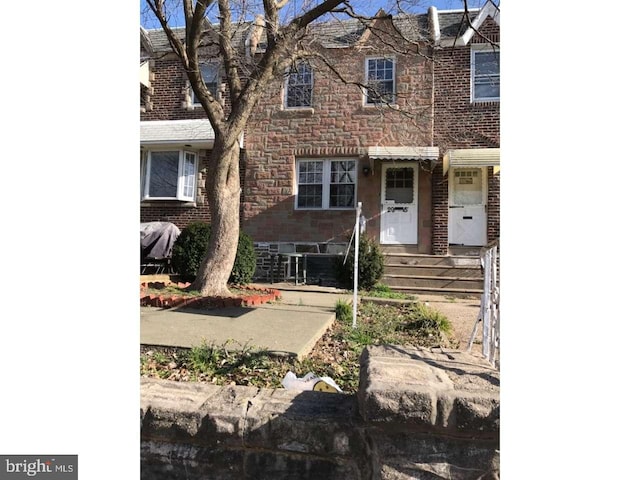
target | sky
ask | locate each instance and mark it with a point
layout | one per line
(147, 20)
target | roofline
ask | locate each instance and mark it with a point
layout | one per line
(489, 9)
(460, 10)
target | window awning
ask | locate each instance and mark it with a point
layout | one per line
(144, 74)
(189, 133)
(404, 153)
(472, 157)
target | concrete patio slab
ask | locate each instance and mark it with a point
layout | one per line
(280, 328)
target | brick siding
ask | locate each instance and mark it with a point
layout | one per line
(462, 124)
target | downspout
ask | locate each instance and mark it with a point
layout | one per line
(433, 94)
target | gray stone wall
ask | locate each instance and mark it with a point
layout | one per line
(419, 414)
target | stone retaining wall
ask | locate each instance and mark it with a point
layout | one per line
(419, 414)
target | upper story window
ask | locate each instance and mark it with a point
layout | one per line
(168, 175)
(326, 183)
(299, 86)
(485, 74)
(380, 76)
(209, 73)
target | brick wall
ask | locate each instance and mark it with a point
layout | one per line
(462, 124)
(167, 97)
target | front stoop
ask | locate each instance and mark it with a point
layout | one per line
(441, 274)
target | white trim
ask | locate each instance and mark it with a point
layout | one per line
(366, 79)
(286, 90)
(481, 48)
(326, 182)
(145, 172)
(414, 205)
(144, 74)
(487, 10)
(484, 185)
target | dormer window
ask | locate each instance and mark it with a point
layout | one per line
(485, 74)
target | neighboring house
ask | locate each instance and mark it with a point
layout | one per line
(466, 188)
(175, 138)
(316, 146)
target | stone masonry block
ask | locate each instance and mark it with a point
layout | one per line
(195, 413)
(433, 390)
(273, 466)
(304, 422)
(170, 461)
(405, 455)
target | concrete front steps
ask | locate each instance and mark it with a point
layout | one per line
(440, 274)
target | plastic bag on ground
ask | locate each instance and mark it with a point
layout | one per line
(310, 382)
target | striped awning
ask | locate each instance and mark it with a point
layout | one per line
(190, 133)
(472, 157)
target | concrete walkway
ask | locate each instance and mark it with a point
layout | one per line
(289, 327)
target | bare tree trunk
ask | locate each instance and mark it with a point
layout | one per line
(223, 194)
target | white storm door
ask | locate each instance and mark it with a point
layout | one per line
(467, 206)
(399, 214)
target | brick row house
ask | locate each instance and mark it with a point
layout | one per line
(420, 151)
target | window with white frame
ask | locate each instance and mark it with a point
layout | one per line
(299, 86)
(168, 175)
(326, 183)
(380, 80)
(209, 73)
(485, 74)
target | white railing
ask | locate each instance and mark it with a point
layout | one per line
(489, 313)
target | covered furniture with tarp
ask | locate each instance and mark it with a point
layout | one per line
(156, 243)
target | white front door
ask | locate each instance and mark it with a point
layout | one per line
(399, 214)
(467, 206)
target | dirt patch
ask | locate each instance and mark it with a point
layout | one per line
(463, 314)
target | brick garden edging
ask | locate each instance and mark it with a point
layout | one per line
(256, 296)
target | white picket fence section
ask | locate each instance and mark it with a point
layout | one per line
(489, 314)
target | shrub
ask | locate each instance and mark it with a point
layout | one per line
(190, 248)
(245, 264)
(427, 320)
(370, 265)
